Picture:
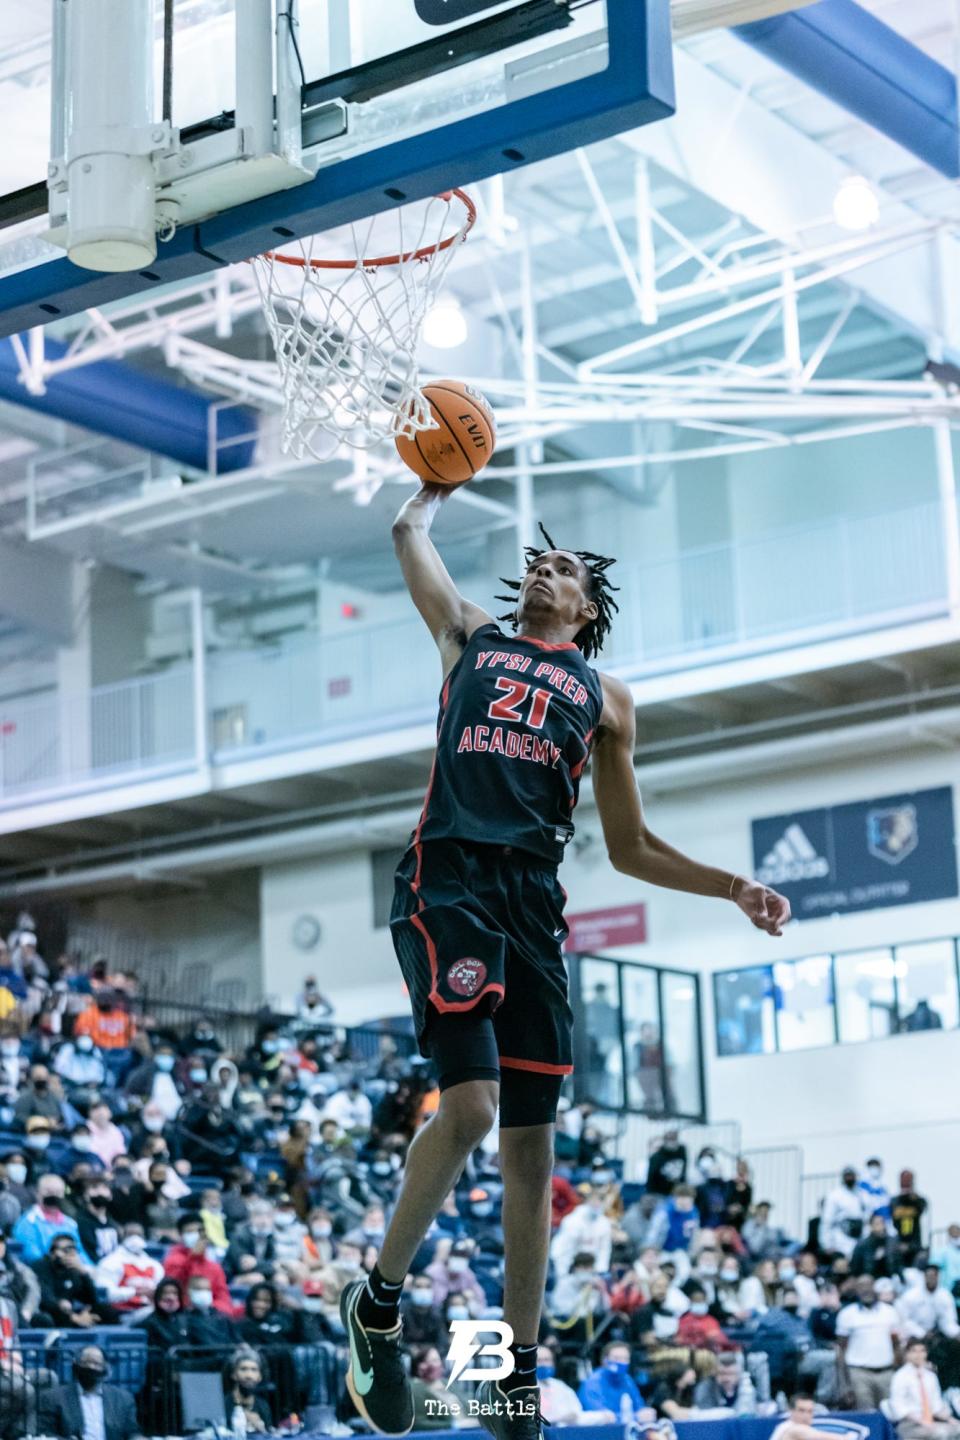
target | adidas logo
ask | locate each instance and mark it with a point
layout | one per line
(793, 858)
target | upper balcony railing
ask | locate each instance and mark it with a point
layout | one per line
(800, 586)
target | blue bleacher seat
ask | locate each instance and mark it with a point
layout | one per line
(10, 1140)
(124, 1347)
(196, 1183)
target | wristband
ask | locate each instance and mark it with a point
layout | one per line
(733, 884)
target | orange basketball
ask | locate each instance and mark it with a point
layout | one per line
(463, 442)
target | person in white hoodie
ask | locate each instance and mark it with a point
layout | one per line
(585, 1229)
(128, 1274)
(844, 1216)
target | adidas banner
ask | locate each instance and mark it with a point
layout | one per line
(894, 851)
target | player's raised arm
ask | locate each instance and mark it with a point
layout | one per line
(632, 846)
(450, 618)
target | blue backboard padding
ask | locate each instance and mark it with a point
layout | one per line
(635, 89)
(115, 399)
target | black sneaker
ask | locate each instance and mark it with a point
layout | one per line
(510, 1417)
(376, 1378)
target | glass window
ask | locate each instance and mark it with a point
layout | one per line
(927, 985)
(600, 1001)
(866, 1002)
(744, 1006)
(642, 1039)
(682, 1044)
(804, 998)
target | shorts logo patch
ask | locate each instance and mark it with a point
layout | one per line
(467, 976)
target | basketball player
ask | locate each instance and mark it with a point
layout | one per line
(478, 926)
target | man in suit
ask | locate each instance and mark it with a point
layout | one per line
(88, 1408)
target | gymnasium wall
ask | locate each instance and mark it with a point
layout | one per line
(839, 1103)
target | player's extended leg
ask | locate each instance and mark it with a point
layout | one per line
(526, 1165)
(528, 1108)
(464, 1051)
(434, 1163)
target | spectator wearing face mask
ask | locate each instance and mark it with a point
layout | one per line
(108, 1023)
(559, 1404)
(80, 1152)
(585, 1229)
(843, 1217)
(107, 1140)
(36, 1143)
(155, 1083)
(97, 1228)
(350, 1108)
(384, 1176)
(207, 1138)
(371, 1229)
(68, 1295)
(252, 1254)
(79, 1062)
(711, 1192)
(201, 1040)
(210, 1325)
(36, 1228)
(87, 1408)
(611, 1383)
(40, 1099)
(264, 1056)
(289, 1235)
(873, 1190)
(13, 1062)
(128, 1275)
(189, 1260)
(318, 1245)
(422, 1318)
(698, 1328)
(17, 1171)
(454, 1273)
(722, 1390)
(706, 1271)
(436, 1405)
(484, 1226)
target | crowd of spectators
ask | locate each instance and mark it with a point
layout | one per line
(213, 1206)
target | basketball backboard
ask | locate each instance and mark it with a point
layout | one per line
(398, 99)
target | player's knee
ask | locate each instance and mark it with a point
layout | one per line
(527, 1162)
(469, 1111)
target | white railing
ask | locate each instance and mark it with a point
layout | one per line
(798, 586)
(58, 742)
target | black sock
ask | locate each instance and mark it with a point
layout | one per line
(524, 1370)
(379, 1303)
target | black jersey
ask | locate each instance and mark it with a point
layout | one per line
(517, 719)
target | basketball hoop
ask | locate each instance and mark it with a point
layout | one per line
(346, 329)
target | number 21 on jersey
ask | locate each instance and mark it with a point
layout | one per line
(515, 694)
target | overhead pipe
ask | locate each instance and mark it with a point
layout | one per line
(852, 58)
(116, 400)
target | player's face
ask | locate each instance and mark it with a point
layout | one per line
(555, 587)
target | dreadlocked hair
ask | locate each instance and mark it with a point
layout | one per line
(590, 638)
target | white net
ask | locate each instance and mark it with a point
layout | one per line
(346, 319)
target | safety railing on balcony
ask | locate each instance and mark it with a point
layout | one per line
(798, 586)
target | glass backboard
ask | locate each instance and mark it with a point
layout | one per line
(401, 99)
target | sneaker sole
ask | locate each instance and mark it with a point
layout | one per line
(358, 1400)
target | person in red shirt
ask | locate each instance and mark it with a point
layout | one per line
(189, 1258)
(697, 1327)
(563, 1199)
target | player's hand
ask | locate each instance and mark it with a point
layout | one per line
(762, 906)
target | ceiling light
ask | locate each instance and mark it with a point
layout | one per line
(445, 327)
(855, 205)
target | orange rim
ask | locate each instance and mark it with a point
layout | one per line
(377, 262)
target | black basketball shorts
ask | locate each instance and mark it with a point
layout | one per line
(479, 929)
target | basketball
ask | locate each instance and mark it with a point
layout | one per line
(463, 442)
